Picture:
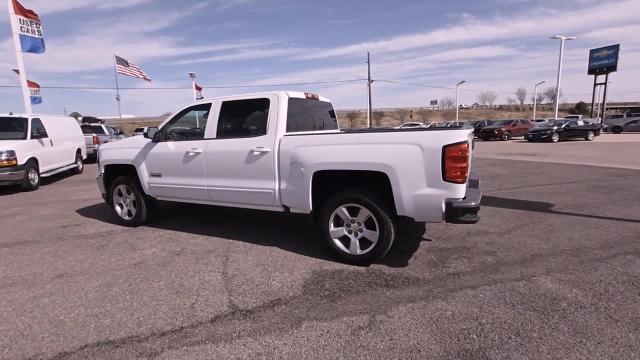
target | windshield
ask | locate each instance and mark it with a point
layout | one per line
(13, 128)
(501, 122)
(90, 129)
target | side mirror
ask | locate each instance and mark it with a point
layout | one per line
(151, 133)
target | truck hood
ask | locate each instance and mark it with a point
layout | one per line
(133, 142)
(10, 144)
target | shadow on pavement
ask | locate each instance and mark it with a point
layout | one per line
(290, 232)
(542, 207)
(14, 189)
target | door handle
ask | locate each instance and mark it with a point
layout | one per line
(260, 150)
(194, 151)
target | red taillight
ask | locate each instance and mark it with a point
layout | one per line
(96, 140)
(311, 96)
(455, 163)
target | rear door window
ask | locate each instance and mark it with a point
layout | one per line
(310, 115)
(243, 118)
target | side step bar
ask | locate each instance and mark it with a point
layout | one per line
(59, 170)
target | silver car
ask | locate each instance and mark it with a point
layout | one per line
(630, 125)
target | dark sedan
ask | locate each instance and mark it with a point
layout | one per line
(557, 130)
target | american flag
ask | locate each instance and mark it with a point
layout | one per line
(130, 69)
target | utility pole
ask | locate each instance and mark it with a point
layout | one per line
(535, 97)
(369, 82)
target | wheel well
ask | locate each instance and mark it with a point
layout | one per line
(34, 160)
(111, 172)
(328, 182)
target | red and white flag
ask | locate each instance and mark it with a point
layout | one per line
(198, 91)
(130, 69)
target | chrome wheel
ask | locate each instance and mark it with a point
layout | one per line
(591, 136)
(124, 202)
(555, 137)
(354, 229)
(34, 177)
(79, 164)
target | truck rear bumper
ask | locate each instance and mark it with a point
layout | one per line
(465, 211)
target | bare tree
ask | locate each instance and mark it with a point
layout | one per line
(447, 102)
(539, 99)
(550, 94)
(521, 95)
(487, 98)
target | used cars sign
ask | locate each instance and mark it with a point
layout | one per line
(604, 60)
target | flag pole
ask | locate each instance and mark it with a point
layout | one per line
(20, 60)
(115, 72)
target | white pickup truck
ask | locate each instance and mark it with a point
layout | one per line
(283, 151)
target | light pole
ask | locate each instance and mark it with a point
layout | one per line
(535, 97)
(457, 105)
(562, 39)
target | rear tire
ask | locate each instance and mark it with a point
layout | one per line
(79, 164)
(616, 130)
(555, 137)
(358, 227)
(128, 202)
(31, 180)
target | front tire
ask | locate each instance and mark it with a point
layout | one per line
(31, 180)
(590, 136)
(128, 202)
(358, 227)
(506, 136)
(555, 137)
(616, 130)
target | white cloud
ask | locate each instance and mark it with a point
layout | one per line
(544, 22)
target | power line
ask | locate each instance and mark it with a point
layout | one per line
(72, 87)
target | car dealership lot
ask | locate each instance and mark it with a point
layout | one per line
(551, 271)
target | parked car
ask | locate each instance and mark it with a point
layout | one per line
(96, 134)
(477, 126)
(632, 125)
(283, 151)
(558, 130)
(411, 125)
(39, 146)
(505, 129)
(139, 131)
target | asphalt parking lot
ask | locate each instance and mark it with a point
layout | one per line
(551, 271)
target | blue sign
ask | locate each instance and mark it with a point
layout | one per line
(604, 60)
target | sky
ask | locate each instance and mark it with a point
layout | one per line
(419, 50)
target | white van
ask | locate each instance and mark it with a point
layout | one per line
(39, 146)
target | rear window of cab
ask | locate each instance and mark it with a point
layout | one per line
(310, 115)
